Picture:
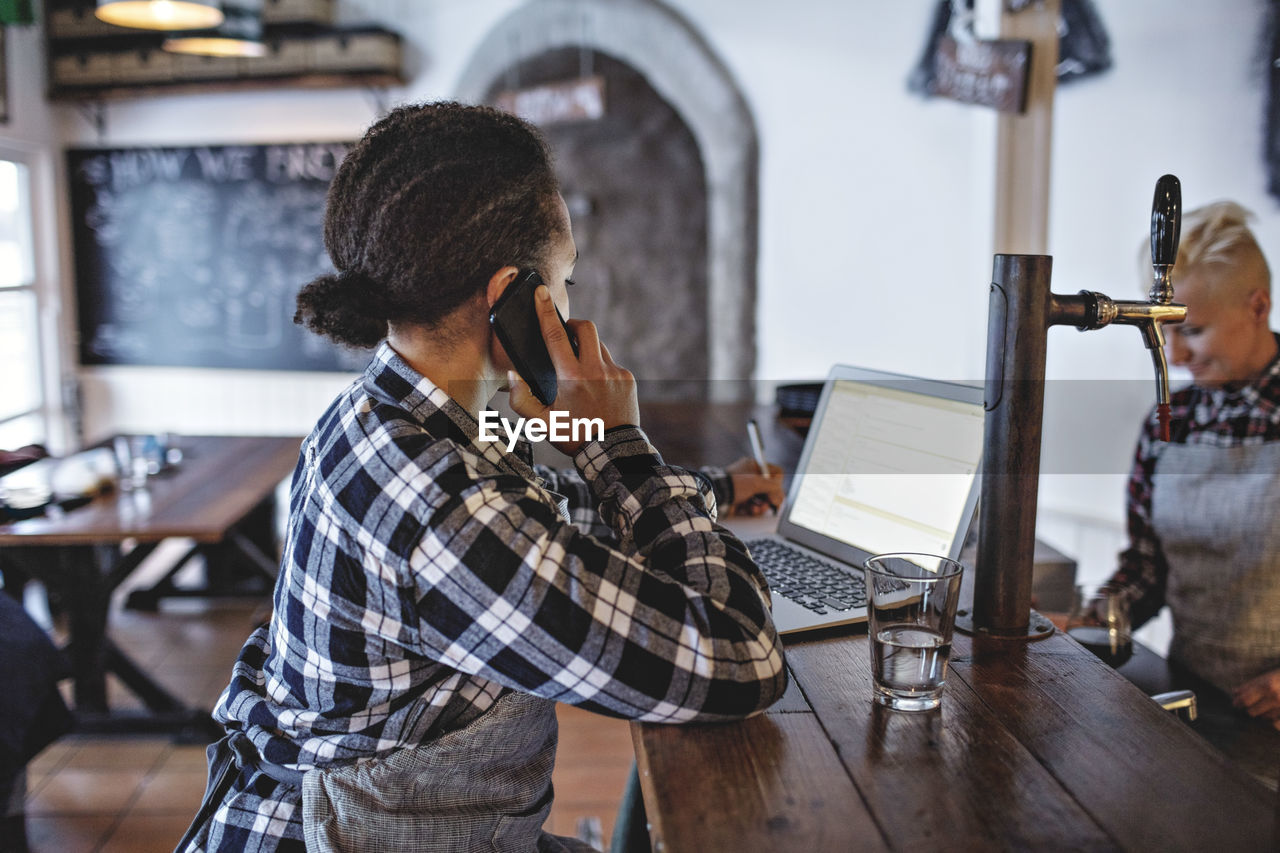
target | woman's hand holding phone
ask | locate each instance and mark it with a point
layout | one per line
(591, 384)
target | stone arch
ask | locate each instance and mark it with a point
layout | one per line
(681, 67)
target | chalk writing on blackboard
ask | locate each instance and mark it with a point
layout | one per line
(194, 256)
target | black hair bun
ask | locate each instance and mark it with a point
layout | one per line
(345, 307)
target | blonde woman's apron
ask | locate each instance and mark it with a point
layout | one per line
(1217, 513)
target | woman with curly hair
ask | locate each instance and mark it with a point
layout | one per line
(439, 594)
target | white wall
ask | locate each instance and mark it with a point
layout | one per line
(875, 205)
(874, 233)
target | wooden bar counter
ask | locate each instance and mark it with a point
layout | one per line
(1037, 746)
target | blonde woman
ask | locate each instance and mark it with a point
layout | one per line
(1204, 509)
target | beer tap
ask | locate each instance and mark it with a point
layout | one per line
(1091, 310)
(1021, 310)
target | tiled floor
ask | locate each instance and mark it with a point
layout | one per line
(137, 794)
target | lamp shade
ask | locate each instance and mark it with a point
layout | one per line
(239, 34)
(160, 14)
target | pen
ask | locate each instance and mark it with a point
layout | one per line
(757, 447)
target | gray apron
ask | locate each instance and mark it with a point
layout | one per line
(483, 787)
(486, 786)
(1217, 513)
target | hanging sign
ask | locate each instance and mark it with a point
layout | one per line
(987, 72)
(554, 103)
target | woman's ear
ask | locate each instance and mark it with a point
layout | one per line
(1260, 305)
(498, 283)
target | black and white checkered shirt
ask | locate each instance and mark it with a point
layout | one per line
(425, 572)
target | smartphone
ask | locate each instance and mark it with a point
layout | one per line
(514, 319)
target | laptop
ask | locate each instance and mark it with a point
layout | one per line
(890, 463)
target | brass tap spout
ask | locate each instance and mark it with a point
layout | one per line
(1150, 318)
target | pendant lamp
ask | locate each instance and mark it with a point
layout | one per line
(239, 34)
(160, 14)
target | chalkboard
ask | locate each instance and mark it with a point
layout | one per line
(194, 256)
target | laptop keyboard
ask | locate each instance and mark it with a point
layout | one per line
(806, 580)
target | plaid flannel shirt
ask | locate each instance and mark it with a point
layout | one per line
(425, 572)
(1209, 416)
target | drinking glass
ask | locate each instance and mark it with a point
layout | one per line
(131, 463)
(911, 600)
(1099, 621)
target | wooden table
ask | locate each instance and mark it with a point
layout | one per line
(223, 484)
(1037, 746)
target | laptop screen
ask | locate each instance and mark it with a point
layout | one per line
(890, 467)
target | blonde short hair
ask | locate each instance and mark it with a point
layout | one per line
(1217, 234)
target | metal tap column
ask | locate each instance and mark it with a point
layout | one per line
(1017, 333)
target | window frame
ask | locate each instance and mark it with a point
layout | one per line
(49, 340)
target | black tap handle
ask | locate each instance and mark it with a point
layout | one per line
(1166, 221)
